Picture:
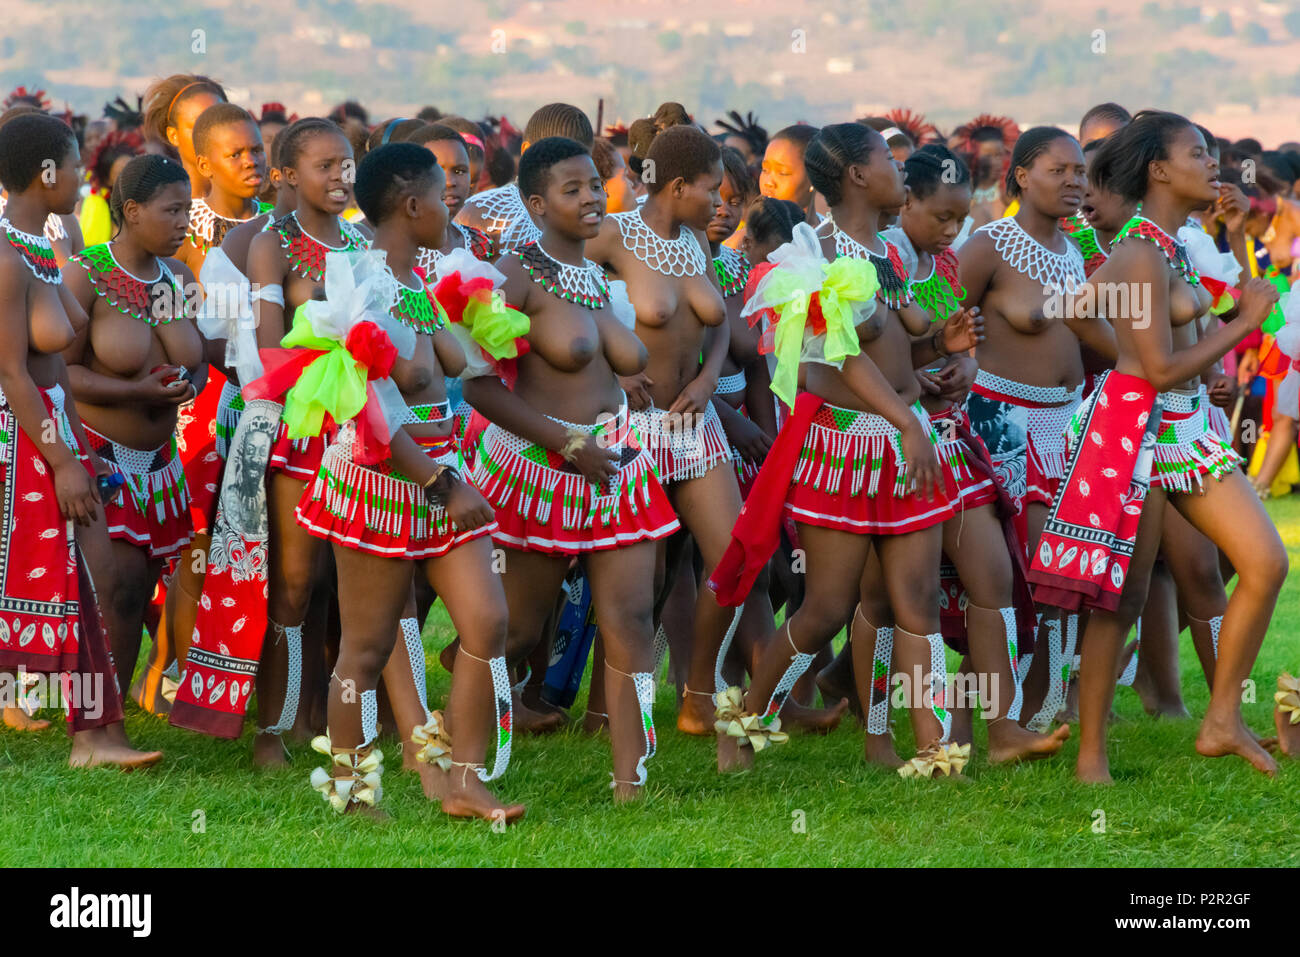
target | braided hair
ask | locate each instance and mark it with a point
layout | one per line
(746, 128)
(932, 166)
(397, 130)
(559, 119)
(1106, 112)
(290, 140)
(639, 137)
(1031, 144)
(769, 218)
(27, 142)
(831, 151)
(164, 96)
(140, 181)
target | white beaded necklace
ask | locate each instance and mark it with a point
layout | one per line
(682, 256)
(504, 212)
(1060, 272)
(428, 257)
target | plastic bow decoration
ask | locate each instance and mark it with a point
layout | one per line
(735, 722)
(338, 355)
(948, 759)
(434, 742)
(359, 785)
(227, 313)
(1219, 271)
(491, 332)
(1287, 399)
(1287, 697)
(816, 304)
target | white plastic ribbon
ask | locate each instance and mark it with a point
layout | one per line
(461, 260)
(1205, 255)
(227, 313)
(620, 305)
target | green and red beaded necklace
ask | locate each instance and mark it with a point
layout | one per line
(36, 251)
(1175, 252)
(158, 301)
(732, 269)
(306, 252)
(417, 309)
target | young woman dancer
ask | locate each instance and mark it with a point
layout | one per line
(559, 463)
(857, 466)
(138, 359)
(286, 265)
(1030, 378)
(47, 479)
(1161, 160)
(659, 250)
(452, 154)
(980, 611)
(384, 510)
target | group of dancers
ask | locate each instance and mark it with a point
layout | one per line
(316, 375)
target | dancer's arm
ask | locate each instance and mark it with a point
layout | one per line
(266, 268)
(75, 492)
(870, 385)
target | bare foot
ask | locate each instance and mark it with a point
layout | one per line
(732, 756)
(269, 752)
(1093, 770)
(154, 703)
(93, 748)
(833, 688)
(696, 715)
(467, 796)
(1218, 739)
(815, 720)
(528, 721)
(594, 722)
(879, 749)
(361, 809)
(16, 719)
(625, 793)
(1070, 713)
(1008, 742)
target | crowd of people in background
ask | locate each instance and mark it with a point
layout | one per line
(274, 385)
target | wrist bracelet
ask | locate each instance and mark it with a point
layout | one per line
(438, 471)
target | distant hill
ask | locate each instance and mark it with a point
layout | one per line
(1236, 68)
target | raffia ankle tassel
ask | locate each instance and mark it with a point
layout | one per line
(434, 742)
(735, 722)
(947, 758)
(361, 784)
(1287, 696)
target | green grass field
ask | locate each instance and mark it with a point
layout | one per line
(1168, 806)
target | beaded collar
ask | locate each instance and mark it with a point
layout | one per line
(941, 293)
(415, 310)
(477, 242)
(1060, 272)
(732, 269)
(1083, 234)
(208, 228)
(584, 285)
(306, 252)
(670, 257)
(895, 289)
(53, 230)
(1175, 252)
(129, 294)
(504, 212)
(36, 251)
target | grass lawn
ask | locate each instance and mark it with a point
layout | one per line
(1168, 806)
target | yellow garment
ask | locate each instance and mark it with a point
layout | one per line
(1287, 475)
(1013, 207)
(96, 223)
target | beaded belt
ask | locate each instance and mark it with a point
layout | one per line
(1048, 395)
